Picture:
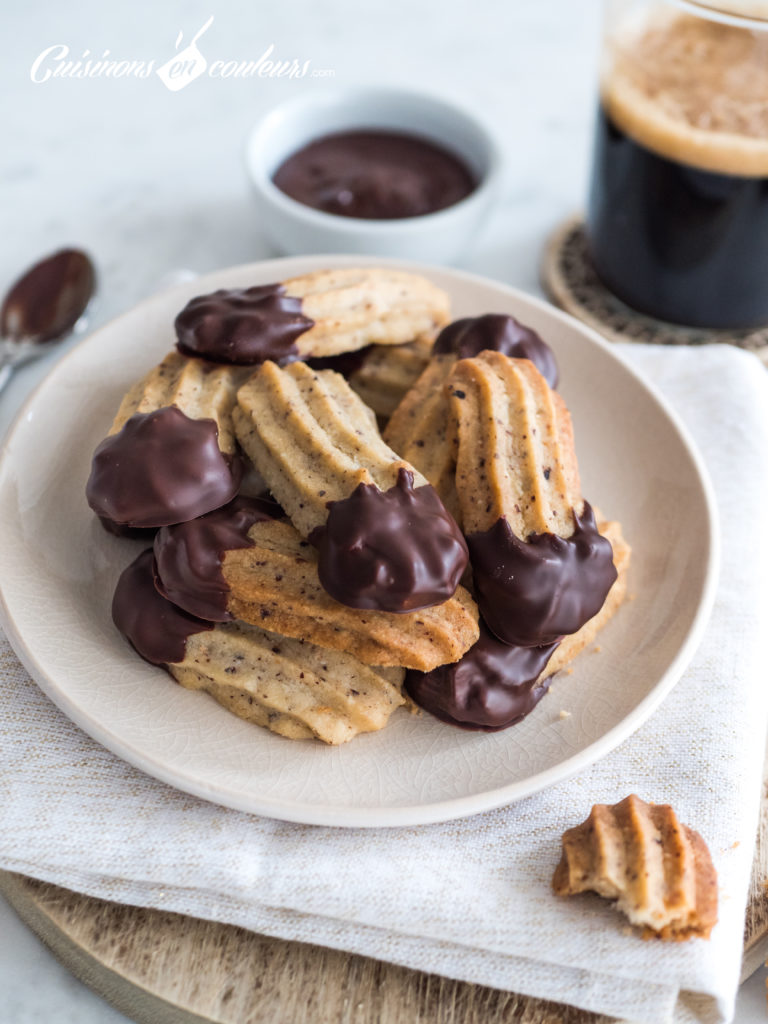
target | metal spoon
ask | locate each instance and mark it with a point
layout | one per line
(43, 307)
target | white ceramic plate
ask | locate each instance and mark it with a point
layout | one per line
(58, 569)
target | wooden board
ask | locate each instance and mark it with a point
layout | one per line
(162, 968)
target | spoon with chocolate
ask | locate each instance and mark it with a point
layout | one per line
(43, 307)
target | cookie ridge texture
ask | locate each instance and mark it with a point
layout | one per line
(659, 871)
(274, 583)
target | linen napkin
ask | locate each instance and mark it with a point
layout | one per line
(470, 899)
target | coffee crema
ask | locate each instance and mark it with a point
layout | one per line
(375, 175)
(693, 91)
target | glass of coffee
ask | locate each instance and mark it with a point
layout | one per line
(677, 220)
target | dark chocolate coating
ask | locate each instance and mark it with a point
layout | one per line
(393, 551)
(242, 325)
(154, 627)
(498, 333)
(375, 175)
(145, 533)
(535, 592)
(346, 363)
(47, 301)
(161, 468)
(491, 687)
(188, 556)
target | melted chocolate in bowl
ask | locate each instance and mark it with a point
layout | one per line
(500, 333)
(375, 175)
(162, 467)
(155, 628)
(189, 555)
(491, 687)
(393, 551)
(534, 592)
(242, 325)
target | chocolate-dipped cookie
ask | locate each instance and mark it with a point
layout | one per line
(317, 315)
(291, 687)
(540, 567)
(385, 540)
(238, 562)
(170, 454)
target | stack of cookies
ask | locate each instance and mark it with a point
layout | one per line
(312, 573)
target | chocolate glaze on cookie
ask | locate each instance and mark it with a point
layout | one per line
(161, 468)
(145, 533)
(394, 551)
(346, 363)
(154, 627)
(188, 556)
(242, 325)
(536, 591)
(469, 337)
(491, 687)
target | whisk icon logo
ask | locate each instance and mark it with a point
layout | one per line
(185, 65)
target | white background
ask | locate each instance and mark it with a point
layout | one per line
(150, 181)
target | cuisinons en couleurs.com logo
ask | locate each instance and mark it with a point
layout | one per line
(187, 63)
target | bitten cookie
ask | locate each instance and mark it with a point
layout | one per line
(659, 871)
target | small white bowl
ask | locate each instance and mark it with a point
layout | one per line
(440, 237)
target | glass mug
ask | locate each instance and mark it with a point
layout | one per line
(677, 220)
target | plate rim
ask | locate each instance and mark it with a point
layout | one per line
(373, 816)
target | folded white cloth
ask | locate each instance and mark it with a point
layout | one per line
(468, 899)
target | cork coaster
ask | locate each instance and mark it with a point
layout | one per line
(572, 284)
(163, 968)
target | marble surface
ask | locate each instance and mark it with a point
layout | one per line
(151, 181)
